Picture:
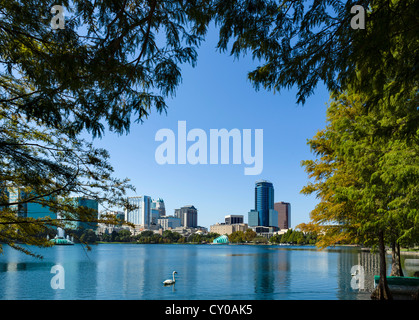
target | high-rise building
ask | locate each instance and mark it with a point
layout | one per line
(154, 215)
(284, 214)
(37, 211)
(141, 215)
(159, 205)
(29, 209)
(188, 216)
(264, 200)
(90, 204)
(264, 213)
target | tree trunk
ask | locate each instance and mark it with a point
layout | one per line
(382, 292)
(399, 259)
(396, 266)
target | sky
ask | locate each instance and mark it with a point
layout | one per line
(216, 94)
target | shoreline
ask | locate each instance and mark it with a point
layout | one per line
(403, 251)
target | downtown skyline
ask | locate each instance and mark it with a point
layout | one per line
(216, 98)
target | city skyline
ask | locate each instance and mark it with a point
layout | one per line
(278, 214)
(287, 129)
(216, 98)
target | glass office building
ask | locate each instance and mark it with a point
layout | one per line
(141, 215)
(90, 204)
(159, 205)
(253, 218)
(28, 209)
(264, 201)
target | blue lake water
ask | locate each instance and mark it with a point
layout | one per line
(230, 272)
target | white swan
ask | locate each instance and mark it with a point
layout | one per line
(170, 281)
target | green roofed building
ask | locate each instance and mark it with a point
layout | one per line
(221, 239)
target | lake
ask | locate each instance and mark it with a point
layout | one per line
(221, 272)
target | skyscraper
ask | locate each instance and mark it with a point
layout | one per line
(188, 216)
(30, 209)
(141, 215)
(264, 201)
(159, 205)
(93, 206)
(284, 214)
(264, 213)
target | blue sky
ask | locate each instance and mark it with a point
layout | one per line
(214, 95)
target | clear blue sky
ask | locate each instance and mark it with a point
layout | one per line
(214, 95)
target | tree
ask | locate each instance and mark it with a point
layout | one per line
(260, 239)
(112, 60)
(117, 60)
(300, 45)
(171, 236)
(88, 236)
(286, 236)
(49, 167)
(123, 236)
(195, 238)
(249, 235)
(366, 176)
(275, 239)
(236, 237)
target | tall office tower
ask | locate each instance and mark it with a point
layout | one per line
(93, 207)
(141, 215)
(159, 205)
(233, 219)
(37, 210)
(284, 214)
(264, 213)
(188, 216)
(154, 213)
(29, 209)
(264, 202)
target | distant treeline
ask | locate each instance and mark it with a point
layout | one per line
(168, 236)
(295, 237)
(290, 237)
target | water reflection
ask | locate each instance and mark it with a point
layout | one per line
(370, 264)
(270, 274)
(410, 265)
(204, 272)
